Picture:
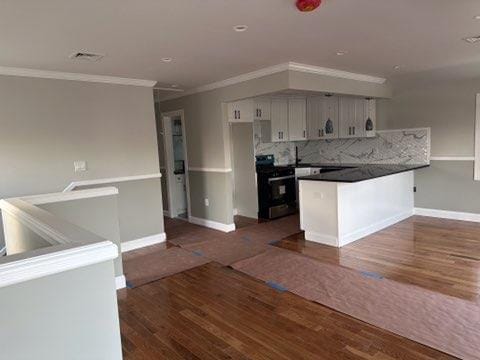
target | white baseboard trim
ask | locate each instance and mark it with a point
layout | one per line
(235, 212)
(358, 234)
(212, 224)
(368, 230)
(321, 238)
(167, 213)
(445, 214)
(143, 242)
(120, 282)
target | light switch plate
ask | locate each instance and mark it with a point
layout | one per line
(80, 165)
(207, 203)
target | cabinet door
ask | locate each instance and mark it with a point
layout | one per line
(370, 117)
(346, 116)
(261, 109)
(358, 125)
(314, 117)
(329, 123)
(240, 111)
(297, 119)
(279, 122)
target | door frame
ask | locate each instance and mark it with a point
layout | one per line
(166, 118)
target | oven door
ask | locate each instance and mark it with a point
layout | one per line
(282, 189)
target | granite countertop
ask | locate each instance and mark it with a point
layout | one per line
(359, 172)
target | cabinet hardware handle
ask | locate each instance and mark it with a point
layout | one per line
(354, 130)
(304, 133)
(319, 132)
(260, 112)
(239, 114)
(349, 130)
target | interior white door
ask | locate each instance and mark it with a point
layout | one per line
(297, 119)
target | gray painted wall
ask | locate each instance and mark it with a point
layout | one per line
(48, 124)
(217, 188)
(245, 189)
(447, 106)
(448, 185)
(71, 315)
(140, 212)
(98, 215)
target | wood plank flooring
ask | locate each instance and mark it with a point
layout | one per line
(214, 312)
(437, 254)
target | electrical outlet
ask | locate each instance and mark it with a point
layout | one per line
(80, 165)
(207, 203)
(414, 189)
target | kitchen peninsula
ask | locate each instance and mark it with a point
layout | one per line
(339, 207)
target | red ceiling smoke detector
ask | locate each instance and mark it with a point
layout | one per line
(308, 5)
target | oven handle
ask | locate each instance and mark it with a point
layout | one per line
(281, 178)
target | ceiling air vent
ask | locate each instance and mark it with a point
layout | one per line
(473, 39)
(86, 56)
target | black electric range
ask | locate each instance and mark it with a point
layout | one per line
(276, 188)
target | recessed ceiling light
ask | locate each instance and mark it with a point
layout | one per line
(472, 39)
(167, 59)
(341, 53)
(397, 67)
(476, 17)
(240, 28)
(174, 85)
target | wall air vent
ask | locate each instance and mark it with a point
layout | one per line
(472, 39)
(86, 56)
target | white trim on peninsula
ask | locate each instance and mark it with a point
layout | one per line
(76, 184)
(71, 195)
(15, 270)
(446, 214)
(143, 242)
(452, 158)
(205, 169)
(120, 282)
(292, 66)
(212, 224)
(47, 74)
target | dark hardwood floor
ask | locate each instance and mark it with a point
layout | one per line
(243, 221)
(214, 312)
(437, 254)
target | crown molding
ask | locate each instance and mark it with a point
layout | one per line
(289, 66)
(47, 74)
(318, 70)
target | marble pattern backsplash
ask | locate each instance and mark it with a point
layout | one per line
(410, 146)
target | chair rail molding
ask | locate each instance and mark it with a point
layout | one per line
(111, 180)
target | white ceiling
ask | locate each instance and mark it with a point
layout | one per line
(420, 35)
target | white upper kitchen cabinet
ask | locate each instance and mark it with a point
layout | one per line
(351, 117)
(346, 116)
(279, 119)
(261, 109)
(329, 121)
(315, 112)
(241, 111)
(370, 122)
(297, 119)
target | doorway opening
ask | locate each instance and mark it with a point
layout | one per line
(176, 161)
